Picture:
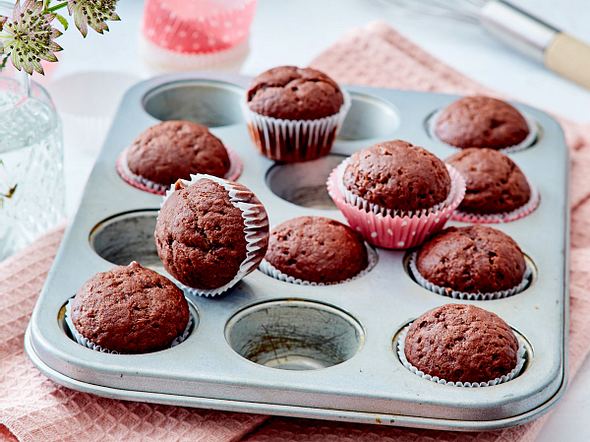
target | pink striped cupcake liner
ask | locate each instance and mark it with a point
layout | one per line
(393, 229)
(235, 170)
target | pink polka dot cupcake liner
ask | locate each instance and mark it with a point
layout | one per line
(392, 229)
(197, 26)
(235, 170)
(506, 217)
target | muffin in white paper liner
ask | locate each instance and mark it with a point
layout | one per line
(89, 344)
(524, 144)
(455, 294)
(295, 140)
(268, 269)
(235, 170)
(255, 230)
(506, 217)
(393, 229)
(520, 361)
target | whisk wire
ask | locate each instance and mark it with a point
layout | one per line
(462, 10)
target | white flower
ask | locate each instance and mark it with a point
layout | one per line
(29, 37)
(93, 13)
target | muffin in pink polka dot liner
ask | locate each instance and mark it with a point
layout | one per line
(196, 33)
(396, 194)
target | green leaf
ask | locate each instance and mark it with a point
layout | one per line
(2, 66)
(63, 21)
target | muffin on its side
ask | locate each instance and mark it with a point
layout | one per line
(473, 259)
(174, 150)
(461, 343)
(294, 113)
(397, 175)
(480, 121)
(202, 235)
(317, 249)
(494, 183)
(130, 310)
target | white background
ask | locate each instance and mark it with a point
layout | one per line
(293, 32)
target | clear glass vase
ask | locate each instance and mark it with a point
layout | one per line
(31, 163)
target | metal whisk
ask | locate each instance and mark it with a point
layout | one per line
(530, 35)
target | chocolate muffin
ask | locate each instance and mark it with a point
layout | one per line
(480, 121)
(494, 183)
(317, 249)
(461, 343)
(292, 93)
(473, 259)
(130, 310)
(294, 113)
(200, 235)
(397, 175)
(174, 150)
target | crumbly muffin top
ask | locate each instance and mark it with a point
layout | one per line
(398, 175)
(130, 309)
(462, 343)
(317, 249)
(292, 93)
(174, 150)
(473, 259)
(480, 121)
(494, 183)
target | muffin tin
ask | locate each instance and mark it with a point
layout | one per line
(278, 348)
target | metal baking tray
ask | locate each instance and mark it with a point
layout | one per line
(358, 321)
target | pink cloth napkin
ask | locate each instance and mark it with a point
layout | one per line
(33, 408)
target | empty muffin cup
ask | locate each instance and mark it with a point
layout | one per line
(393, 229)
(141, 183)
(520, 361)
(294, 334)
(466, 296)
(294, 140)
(255, 231)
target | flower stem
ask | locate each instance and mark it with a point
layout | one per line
(57, 7)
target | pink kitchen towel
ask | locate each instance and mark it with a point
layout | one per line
(32, 408)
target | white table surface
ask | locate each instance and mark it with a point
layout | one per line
(288, 32)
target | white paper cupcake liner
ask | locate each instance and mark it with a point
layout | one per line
(89, 344)
(255, 230)
(520, 361)
(506, 217)
(308, 139)
(268, 269)
(165, 60)
(235, 170)
(526, 280)
(524, 144)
